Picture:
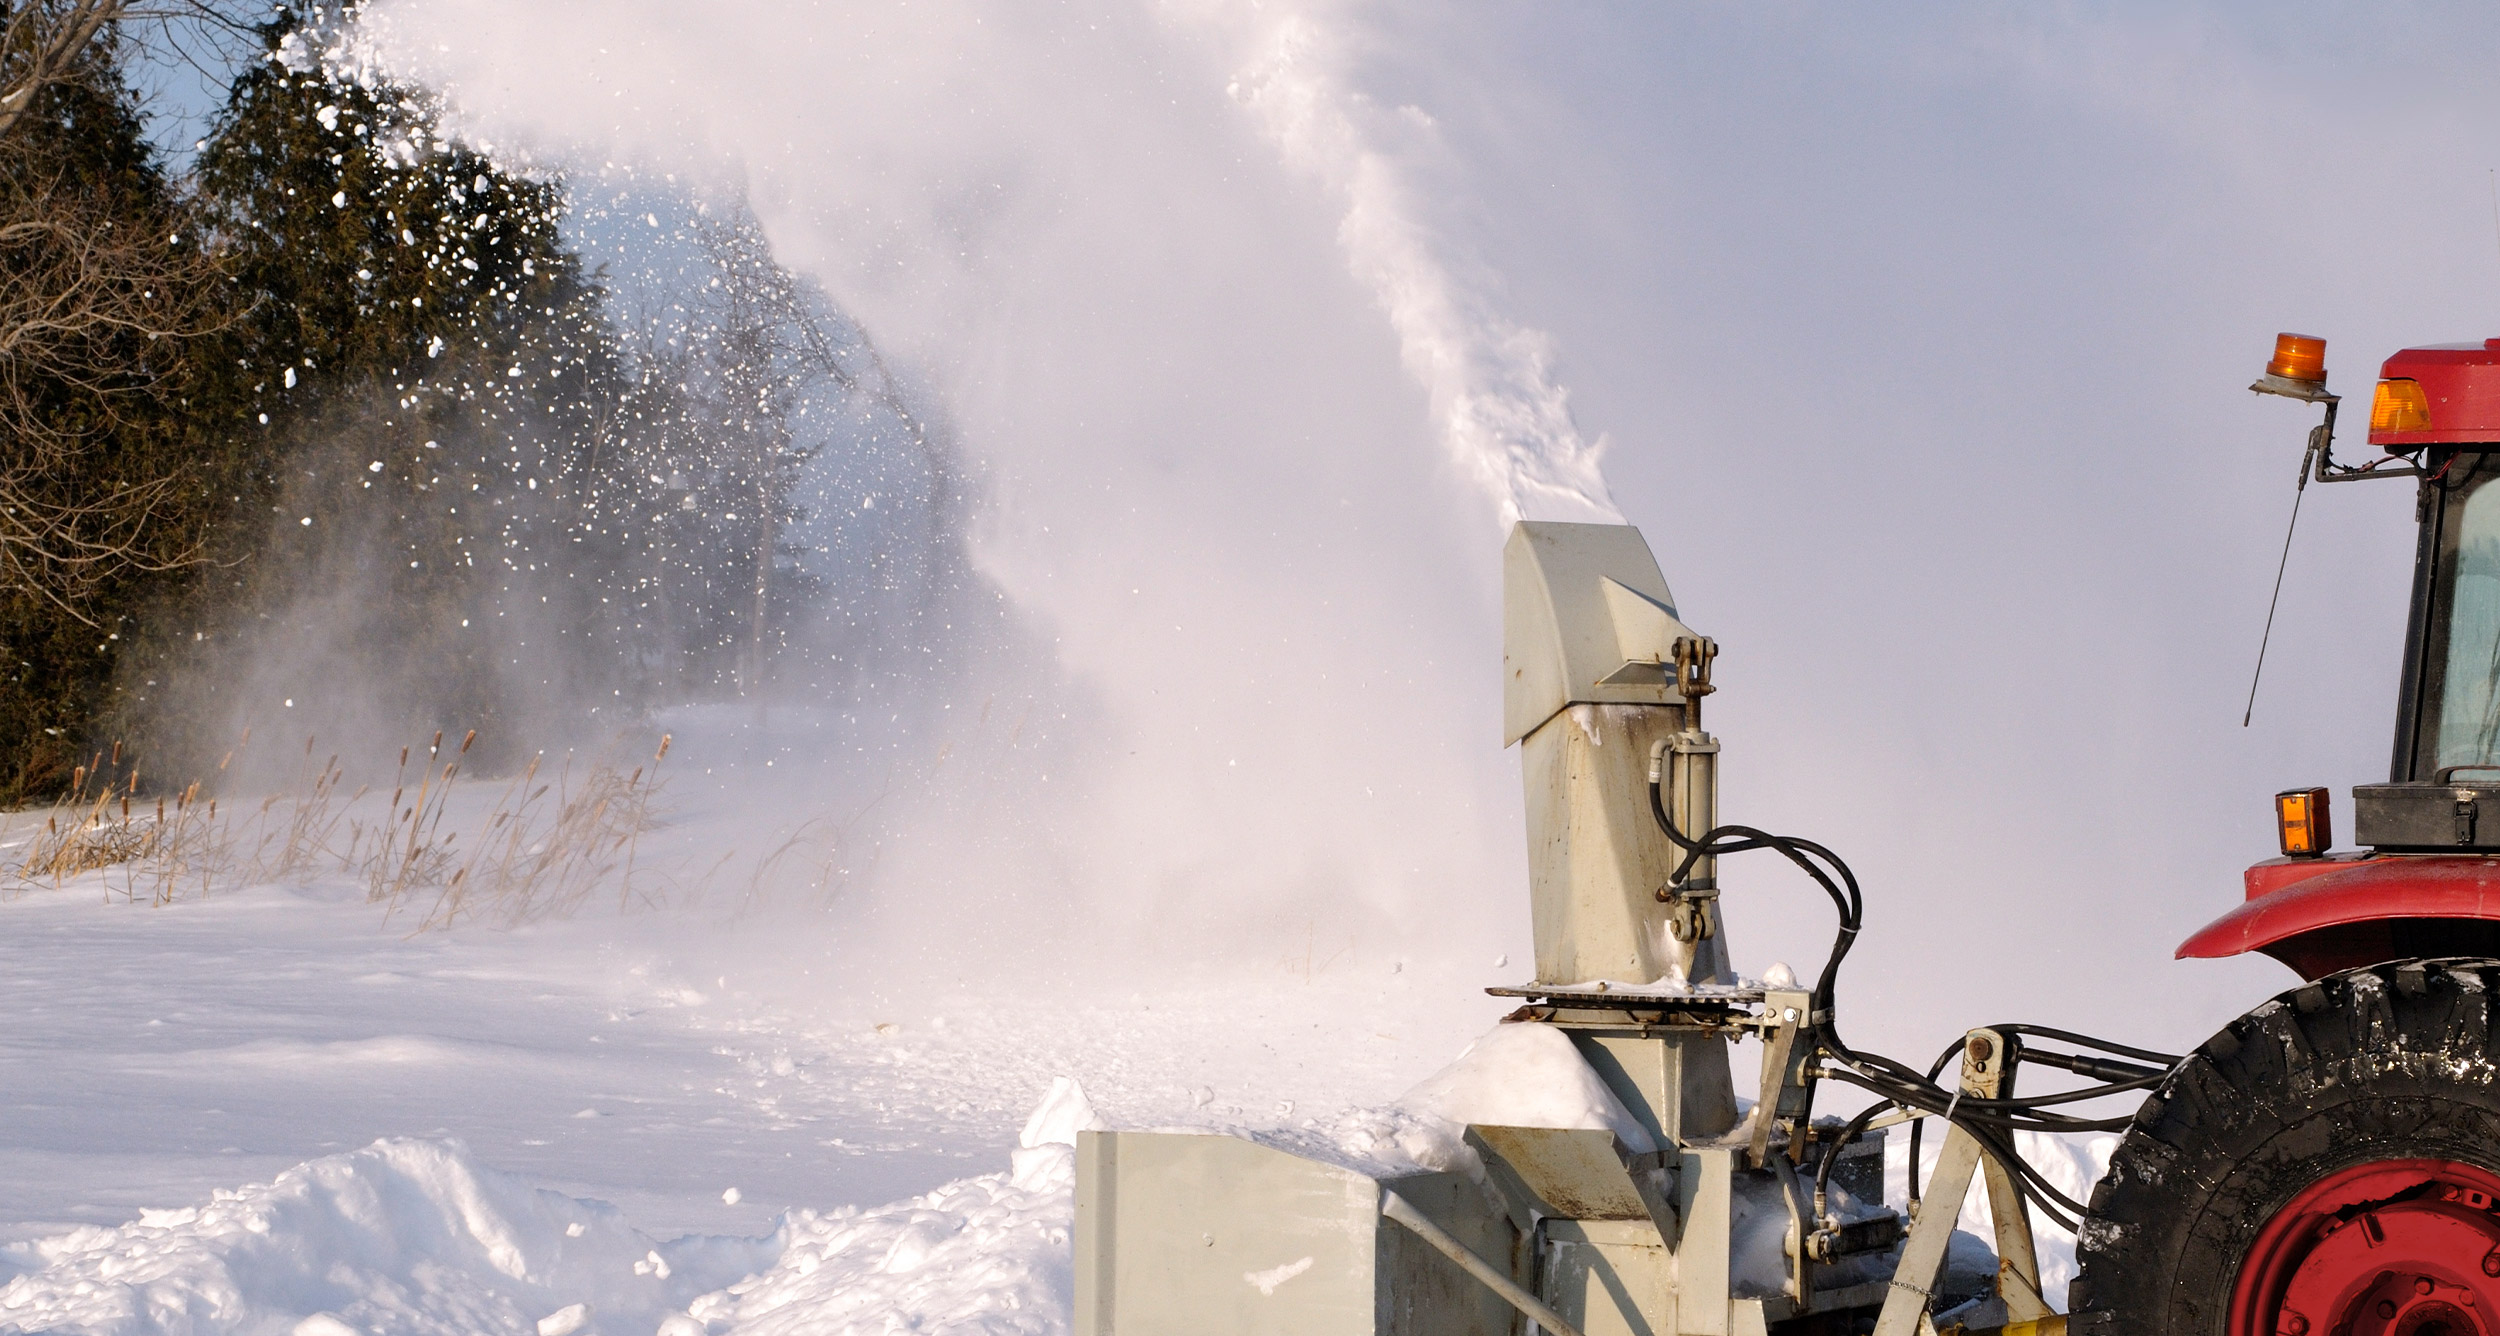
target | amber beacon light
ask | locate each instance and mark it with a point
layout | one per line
(2298, 370)
(2300, 357)
(2301, 823)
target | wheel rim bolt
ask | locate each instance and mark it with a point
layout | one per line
(2491, 1262)
(2386, 1308)
(2293, 1324)
(2421, 1284)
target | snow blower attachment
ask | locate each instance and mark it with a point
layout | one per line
(2326, 1165)
(1685, 1214)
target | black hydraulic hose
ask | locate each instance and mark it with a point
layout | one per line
(1990, 1121)
(2167, 1060)
(1918, 1125)
(2099, 1069)
(1831, 1155)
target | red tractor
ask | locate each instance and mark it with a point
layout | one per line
(2329, 1164)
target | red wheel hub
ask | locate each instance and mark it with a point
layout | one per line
(2394, 1248)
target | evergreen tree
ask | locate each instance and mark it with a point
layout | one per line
(431, 388)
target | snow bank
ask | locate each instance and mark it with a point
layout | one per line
(1513, 1076)
(1525, 1076)
(401, 1237)
(981, 1257)
(413, 1238)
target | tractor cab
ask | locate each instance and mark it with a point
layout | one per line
(2426, 880)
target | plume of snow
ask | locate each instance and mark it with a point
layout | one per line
(1496, 405)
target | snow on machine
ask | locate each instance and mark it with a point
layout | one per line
(2327, 1164)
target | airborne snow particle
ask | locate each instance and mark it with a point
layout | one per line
(730, 1196)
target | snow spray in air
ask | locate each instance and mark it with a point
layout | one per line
(1500, 413)
(1237, 704)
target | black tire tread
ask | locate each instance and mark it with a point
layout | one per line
(2375, 1063)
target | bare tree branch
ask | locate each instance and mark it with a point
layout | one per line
(44, 43)
(92, 318)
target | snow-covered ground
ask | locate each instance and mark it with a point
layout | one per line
(243, 1113)
(273, 1109)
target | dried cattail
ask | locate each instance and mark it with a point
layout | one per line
(212, 809)
(464, 742)
(117, 751)
(77, 780)
(665, 739)
(221, 765)
(403, 758)
(437, 748)
(125, 809)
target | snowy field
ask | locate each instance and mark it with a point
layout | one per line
(271, 1111)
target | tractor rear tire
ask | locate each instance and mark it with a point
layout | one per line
(2327, 1165)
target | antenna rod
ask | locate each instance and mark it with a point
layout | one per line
(2279, 565)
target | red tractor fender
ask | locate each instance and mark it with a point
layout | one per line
(2320, 915)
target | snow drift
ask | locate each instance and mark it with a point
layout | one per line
(414, 1238)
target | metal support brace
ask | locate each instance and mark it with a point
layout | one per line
(1493, 1278)
(1985, 1074)
(1787, 1093)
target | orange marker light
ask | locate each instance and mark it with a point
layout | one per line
(2302, 824)
(2300, 357)
(2400, 405)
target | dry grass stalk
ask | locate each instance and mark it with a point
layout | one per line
(542, 859)
(412, 852)
(543, 849)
